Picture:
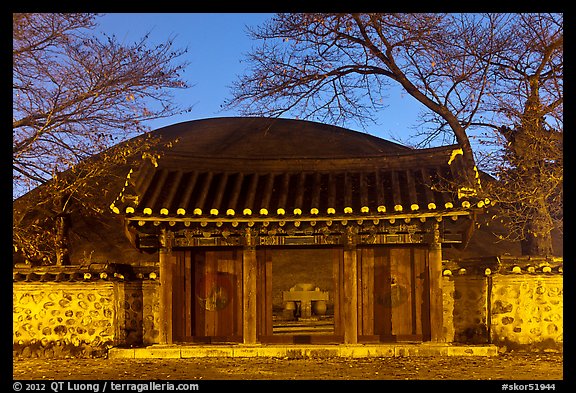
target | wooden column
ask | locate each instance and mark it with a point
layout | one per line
(435, 276)
(350, 273)
(249, 289)
(167, 264)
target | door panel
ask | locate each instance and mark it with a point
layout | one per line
(393, 294)
(207, 295)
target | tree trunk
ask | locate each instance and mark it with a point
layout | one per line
(62, 241)
(538, 238)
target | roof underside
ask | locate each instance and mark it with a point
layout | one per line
(224, 168)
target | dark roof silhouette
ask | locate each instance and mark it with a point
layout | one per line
(261, 166)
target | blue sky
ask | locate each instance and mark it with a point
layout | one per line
(216, 45)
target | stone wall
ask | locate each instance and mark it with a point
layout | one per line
(527, 311)
(465, 309)
(82, 319)
(84, 314)
(517, 309)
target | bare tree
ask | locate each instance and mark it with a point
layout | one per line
(75, 95)
(526, 98)
(334, 67)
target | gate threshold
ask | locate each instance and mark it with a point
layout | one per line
(183, 351)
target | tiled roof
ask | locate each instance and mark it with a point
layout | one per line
(394, 183)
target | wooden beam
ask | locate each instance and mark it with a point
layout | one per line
(185, 199)
(268, 189)
(236, 191)
(159, 184)
(249, 290)
(350, 289)
(173, 186)
(167, 266)
(435, 277)
(220, 191)
(204, 192)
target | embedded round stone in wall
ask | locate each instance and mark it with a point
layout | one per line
(37, 297)
(60, 329)
(24, 299)
(540, 290)
(501, 307)
(64, 303)
(507, 320)
(83, 304)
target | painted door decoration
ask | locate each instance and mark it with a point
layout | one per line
(208, 296)
(393, 294)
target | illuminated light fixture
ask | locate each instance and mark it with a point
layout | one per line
(164, 211)
(198, 211)
(247, 212)
(448, 205)
(487, 272)
(447, 272)
(181, 211)
(381, 209)
(103, 275)
(517, 270)
(114, 208)
(480, 204)
(331, 210)
(297, 211)
(280, 211)
(487, 201)
(531, 269)
(365, 209)
(462, 271)
(264, 212)
(87, 276)
(147, 211)
(414, 207)
(153, 276)
(432, 206)
(129, 210)
(214, 212)
(398, 208)
(314, 211)
(230, 212)
(546, 269)
(465, 204)
(347, 210)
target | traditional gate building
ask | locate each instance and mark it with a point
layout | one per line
(232, 204)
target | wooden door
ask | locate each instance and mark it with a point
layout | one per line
(208, 296)
(393, 300)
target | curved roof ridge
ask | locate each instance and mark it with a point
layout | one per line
(263, 137)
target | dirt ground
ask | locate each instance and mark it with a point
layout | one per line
(509, 366)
